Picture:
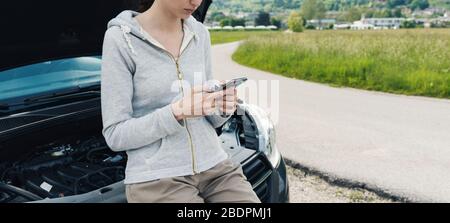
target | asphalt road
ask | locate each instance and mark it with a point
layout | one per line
(395, 143)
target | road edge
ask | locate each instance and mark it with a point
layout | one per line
(347, 183)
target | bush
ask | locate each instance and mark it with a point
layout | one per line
(310, 26)
(232, 22)
(276, 22)
(295, 22)
(408, 24)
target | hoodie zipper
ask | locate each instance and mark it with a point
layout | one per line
(180, 79)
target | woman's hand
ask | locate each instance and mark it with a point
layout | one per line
(227, 104)
(198, 103)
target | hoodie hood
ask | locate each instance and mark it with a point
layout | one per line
(130, 26)
(125, 20)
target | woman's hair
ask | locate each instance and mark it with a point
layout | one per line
(144, 5)
(139, 5)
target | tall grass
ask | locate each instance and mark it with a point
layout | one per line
(218, 37)
(413, 62)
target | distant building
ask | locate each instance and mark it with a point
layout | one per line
(241, 15)
(359, 25)
(390, 23)
(250, 23)
(342, 26)
(321, 23)
(441, 21)
(428, 12)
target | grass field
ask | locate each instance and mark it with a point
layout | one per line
(413, 62)
(218, 37)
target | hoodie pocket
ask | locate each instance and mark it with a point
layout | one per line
(173, 152)
(149, 158)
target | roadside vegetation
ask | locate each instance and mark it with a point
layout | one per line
(412, 62)
(218, 37)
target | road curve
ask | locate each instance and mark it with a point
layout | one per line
(400, 144)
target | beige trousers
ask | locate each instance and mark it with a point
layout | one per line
(224, 183)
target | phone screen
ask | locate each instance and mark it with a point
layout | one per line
(233, 83)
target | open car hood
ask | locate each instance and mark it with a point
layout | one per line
(37, 31)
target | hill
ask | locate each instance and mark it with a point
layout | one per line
(331, 5)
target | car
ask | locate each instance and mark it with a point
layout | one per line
(51, 145)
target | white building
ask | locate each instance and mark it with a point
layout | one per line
(321, 23)
(343, 26)
(359, 25)
(383, 22)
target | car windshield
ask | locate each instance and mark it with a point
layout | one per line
(50, 76)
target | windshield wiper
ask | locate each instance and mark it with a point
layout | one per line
(74, 93)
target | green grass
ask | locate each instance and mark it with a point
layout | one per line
(412, 62)
(218, 37)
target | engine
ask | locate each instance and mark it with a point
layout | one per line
(58, 169)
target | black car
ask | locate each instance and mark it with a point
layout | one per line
(51, 145)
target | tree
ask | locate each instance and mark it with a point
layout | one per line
(382, 13)
(230, 21)
(238, 22)
(397, 13)
(276, 22)
(279, 3)
(408, 24)
(419, 4)
(353, 14)
(217, 16)
(292, 4)
(394, 3)
(295, 22)
(263, 19)
(225, 22)
(313, 9)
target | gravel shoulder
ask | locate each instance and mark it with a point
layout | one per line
(310, 188)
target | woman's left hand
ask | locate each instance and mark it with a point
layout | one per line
(227, 103)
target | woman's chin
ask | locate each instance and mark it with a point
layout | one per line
(185, 16)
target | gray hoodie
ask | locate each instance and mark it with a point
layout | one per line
(139, 81)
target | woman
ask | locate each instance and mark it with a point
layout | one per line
(150, 60)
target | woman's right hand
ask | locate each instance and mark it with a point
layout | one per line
(198, 103)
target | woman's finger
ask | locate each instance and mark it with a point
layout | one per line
(229, 98)
(230, 91)
(229, 110)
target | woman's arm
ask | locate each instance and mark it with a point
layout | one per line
(121, 130)
(215, 120)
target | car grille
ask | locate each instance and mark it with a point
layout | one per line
(258, 172)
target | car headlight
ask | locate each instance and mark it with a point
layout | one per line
(266, 134)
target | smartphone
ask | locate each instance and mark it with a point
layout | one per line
(232, 83)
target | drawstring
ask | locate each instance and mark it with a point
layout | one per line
(125, 31)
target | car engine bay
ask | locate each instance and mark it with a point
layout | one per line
(62, 157)
(60, 169)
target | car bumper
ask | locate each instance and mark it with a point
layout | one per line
(270, 183)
